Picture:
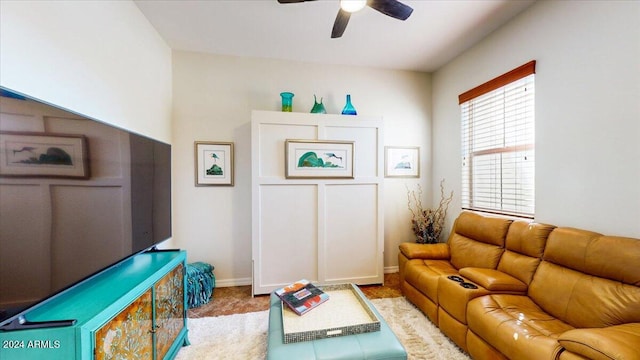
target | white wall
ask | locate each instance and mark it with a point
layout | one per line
(213, 99)
(587, 109)
(101, 59)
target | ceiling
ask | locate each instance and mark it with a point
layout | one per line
(436, 32)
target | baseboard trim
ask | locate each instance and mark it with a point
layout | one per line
(391, 269)
(247, 281)
(233, 282)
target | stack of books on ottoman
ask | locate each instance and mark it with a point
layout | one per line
(302, 296)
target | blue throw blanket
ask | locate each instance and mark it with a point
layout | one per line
(200, 284)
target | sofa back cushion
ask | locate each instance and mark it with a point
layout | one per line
(611, 257)
(589, 280)
(524, 244)
(477, 241)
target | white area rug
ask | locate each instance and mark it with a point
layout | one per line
(244, 336)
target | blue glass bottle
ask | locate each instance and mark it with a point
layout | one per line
(348, 108)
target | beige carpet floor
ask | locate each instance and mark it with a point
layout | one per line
(244, 336)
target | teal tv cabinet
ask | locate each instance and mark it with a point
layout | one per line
(133, 310)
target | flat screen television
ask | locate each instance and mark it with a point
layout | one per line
(77, 196)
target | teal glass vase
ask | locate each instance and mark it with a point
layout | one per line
(287, 101)
(318, 107)
(348, 107)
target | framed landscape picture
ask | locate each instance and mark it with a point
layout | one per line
(214, 163)
(319, 159)
(34, 154)
(402, 161)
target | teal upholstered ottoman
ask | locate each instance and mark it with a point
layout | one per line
(381, 344)
(200, 284)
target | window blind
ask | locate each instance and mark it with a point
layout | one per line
(498, 145)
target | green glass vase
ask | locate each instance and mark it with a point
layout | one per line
(318, 107)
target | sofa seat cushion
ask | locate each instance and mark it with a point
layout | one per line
(614, 342)
(494, 280)
(424, 274)
(516, 326)
(568, 355)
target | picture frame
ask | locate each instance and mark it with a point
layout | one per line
(214, 163)
(319, 159)
(402, 161)
(39, 154)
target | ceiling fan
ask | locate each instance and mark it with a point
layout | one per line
(392, 8)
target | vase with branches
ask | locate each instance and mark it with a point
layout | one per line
(428, 223)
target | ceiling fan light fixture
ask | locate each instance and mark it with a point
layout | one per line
(392, 8)
(352, 5)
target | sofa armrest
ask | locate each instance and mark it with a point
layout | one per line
(438, 251)
(613, 342)
(494, 280)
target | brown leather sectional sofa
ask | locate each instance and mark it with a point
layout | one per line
(524, 290)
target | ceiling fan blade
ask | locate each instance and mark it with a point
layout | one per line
(292, 1)
(340, 24)
(392, 8)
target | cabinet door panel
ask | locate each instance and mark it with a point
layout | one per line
(128, 335)
(288, 234)
(352, 235)
(169, 297)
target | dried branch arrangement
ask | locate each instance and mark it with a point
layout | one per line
(427, 224)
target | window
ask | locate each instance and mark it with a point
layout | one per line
(498, 144)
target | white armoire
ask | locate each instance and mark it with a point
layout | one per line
(326, 230)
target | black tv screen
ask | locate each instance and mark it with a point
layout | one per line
(76, 197)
